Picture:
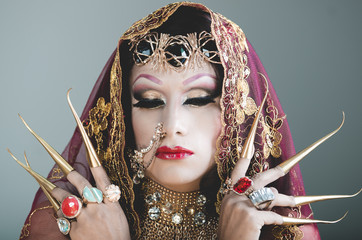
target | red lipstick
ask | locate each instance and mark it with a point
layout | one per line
(175, 153)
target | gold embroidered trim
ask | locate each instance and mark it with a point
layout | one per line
(270, 135)
(25, 231)
(291, 232)
(56, 173)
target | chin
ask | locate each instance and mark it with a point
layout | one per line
(176, 179)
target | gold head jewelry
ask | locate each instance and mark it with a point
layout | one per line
(297, 221)
(288, 164)
(302, 200)
(62, 163)
(40, 179)
(92, 156)
(248, 147)
(176, 51)
(52, 200)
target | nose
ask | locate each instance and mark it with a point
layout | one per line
(174, 121)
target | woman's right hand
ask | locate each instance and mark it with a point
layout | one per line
(105, 220)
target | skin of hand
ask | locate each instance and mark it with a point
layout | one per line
(239, 218)
(95, 221)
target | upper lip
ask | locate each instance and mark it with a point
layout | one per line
(177, 149)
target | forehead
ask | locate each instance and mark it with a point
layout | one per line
(170, 74)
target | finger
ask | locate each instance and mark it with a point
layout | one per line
(78, 181)
(280, 200)
(240, 169)
(264, 178)
(60, 194)
(270, 218)
(248, 149)
(101, 178)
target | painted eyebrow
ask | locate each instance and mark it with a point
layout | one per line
(149, 77)
(197, 76)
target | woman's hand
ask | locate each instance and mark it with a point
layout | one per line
(105, 220)
(239, 218)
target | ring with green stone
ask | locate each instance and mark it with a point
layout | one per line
(92, 195)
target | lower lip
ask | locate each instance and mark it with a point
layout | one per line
(173, 156)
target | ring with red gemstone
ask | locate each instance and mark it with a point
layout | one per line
(244, 186)
(71, 206)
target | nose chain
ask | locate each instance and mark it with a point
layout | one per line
(137, 159)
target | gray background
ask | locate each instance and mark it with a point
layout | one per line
(310, 49)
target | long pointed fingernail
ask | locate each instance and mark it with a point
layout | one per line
(52, 200)
(297, 221)
(92, 155)
(41, 180)
(288, 164)
(248, 147)
(302, 200)
(62, 163)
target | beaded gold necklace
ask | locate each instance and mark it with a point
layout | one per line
(175, 215)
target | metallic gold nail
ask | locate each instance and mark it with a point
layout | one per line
(288, 164)
(91, 153)
(52, 200)
(297, 221)
(302, 200)
(41, 180)
(62, 163)
(248, 147)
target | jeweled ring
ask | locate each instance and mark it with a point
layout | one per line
(71, 206)
(112, 193)
(92, 195)
(243, 186)
(63, 225)
(261, 196)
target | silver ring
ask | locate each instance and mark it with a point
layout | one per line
(261, 196)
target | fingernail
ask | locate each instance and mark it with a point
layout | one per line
(288, 164)
(292, 221)
(62, 163)
(92, 155)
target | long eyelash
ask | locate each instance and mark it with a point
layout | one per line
(199, 101)
(149, 103)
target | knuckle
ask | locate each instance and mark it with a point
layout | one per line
(274, 190)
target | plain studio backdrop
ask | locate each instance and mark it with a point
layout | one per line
(311, 50)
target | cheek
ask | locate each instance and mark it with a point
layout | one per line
(208, 127)
(144, 123)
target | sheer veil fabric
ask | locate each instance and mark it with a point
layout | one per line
(244, 86)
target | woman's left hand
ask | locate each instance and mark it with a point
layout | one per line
(239, 218)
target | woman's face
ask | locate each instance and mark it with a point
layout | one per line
(187, 105)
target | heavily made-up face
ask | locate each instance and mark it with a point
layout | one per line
(187, 104)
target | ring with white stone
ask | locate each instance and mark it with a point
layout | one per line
(63, 225)
(261, 196)
(112, 193)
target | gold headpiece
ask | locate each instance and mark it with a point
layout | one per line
(176, 51)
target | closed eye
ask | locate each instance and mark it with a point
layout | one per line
(199, 101)
(149, 103)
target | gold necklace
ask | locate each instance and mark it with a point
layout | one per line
(175, 215)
